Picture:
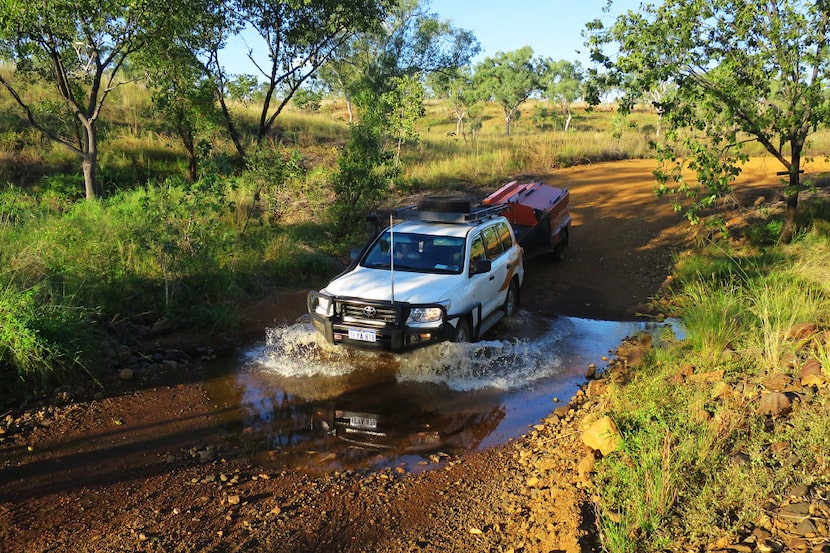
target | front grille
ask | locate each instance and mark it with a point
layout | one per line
(370, 314)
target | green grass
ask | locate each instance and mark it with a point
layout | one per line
(676, 479)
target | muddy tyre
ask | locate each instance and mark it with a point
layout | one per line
(463, 331)
(444, 204)
(511, 302)
(559, 249)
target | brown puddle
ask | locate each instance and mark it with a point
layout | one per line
(299, 402)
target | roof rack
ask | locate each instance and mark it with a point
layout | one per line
(475, 215)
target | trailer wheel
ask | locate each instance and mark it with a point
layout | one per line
(559, 249)
(444, 204)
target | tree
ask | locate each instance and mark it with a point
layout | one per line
(405, 105)
(509, 79)
(412, 42)
(299, 38)
(741, 71)
(457, 87)
(81, 48)
(183, 97)
(562, 84)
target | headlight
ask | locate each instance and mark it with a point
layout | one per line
(319, 304)
(324, 306)
(425, 315)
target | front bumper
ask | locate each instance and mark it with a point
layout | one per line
(377, 325)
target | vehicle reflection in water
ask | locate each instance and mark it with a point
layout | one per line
(297, 401)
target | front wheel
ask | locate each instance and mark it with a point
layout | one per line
(511, 302)
(463, 331)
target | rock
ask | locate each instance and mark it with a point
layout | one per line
(233, 500)
(810, 367)
(161, 326)
(562, 411)
(802, 508)
(591, 371)
(126, 374)
(815, 381)
(778, 382)
(775, 404)
(586, 466)
(596, 388)
(206, 455)
(801, 331)
(603, 436)
(806, 528)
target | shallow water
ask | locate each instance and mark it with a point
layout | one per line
(299, 401)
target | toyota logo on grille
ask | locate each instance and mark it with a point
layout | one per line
(370, 311)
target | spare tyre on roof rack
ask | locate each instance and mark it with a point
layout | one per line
(444, 204)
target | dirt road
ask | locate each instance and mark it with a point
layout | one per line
(150, 467)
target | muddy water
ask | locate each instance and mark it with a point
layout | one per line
(298, 401)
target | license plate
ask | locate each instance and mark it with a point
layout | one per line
(363, 335)
(363, 422)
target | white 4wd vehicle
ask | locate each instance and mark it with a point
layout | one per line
(435, 276)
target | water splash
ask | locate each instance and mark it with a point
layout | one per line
(503, 364)
(533, 352)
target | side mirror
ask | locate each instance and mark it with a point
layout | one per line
(481, 266)
(354, 254)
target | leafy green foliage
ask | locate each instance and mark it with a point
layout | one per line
(509, 79)
(365, 172)
(728, 72)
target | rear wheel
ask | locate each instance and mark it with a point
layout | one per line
(559, 249)
(511, 302)
(463, 331)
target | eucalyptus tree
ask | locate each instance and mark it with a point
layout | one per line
(561, 83)
(509, 79)
(412, 43)
(740, 71)
(299, 36)
(457, 87)
(80, 49)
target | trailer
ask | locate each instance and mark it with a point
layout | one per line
(539, 214)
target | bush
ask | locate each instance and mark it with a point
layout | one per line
(42, 343)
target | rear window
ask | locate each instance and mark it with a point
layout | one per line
(504, 236)
(491, 242)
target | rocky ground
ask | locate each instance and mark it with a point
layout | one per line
(149, 465)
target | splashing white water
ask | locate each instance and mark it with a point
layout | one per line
(299, 351)
(500, 364)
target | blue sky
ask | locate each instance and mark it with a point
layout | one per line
(551, 27)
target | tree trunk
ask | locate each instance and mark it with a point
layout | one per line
(349, 109)
(89, 163)
(792, 190)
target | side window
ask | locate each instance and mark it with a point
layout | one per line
(491, 242)
(477, 251)
(504, 236)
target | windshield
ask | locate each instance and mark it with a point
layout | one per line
(421, 253)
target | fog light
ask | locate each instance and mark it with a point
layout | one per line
(425, 336)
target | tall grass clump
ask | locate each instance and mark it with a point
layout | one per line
(43, 342)
(711, 317)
